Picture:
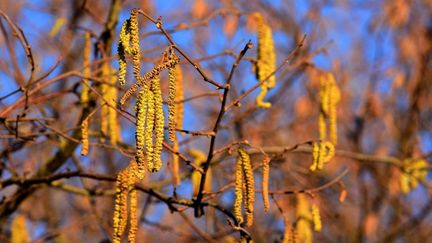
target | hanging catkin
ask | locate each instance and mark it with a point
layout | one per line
(304, 219)
(133, 201)
(159, 124)
(244, 186)
(120, 207)
(122, 49)
(113, 124)
(238, 191)
(140, 135)
(199, 157)
(265, 182)
(172, 106)
(329, 96)
(266, 59)
(84, 137)
(109, 123)
(126, 196)
(150, 121)
(288, 233)
(19, 232)
(175, 164)
(316, 218)
(85, 96)
(179, 97)
(322, 153)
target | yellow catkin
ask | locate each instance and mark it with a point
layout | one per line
(85, 96)
(125, 189)
(113, 124)
(260, 98)
(175, 164)
(265, 182)
(329, 97)
(19, 230)
(322, 153)
(104, 115)
(315, 156)
(249, 184)
(179, 97)
(159, 124)
(149, 131)
(322, 126)
(238, 191)
(198, 158)
(413, 172)
(109, 123)
(172, 106)
(316, 218)
(84, 137)
(334, 97)
(135, 44)
(120, 207)
(58, 24)
(133, 201)
(122, 49)
(141, 112)
(266, 59)
(288, 233)
(304, 219)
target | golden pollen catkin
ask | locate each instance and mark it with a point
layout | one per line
(125, 189)
(244, 186)
(198, 158)
(288, 233)
(150, 120)
(175, 164)
(109, 123)
(120, 207)
(238, 191)
(179, 97)
(304, 219)
(135, 45)
(322, 153)
(19, 232)
(141, 112)
(172, 106)
(316, 218)
(329, 97)
(266, 59)
(122, 49)
(85, 94)
(133, 201)
(265, 182)
(159, 124)
(113, 124)
(84, 137)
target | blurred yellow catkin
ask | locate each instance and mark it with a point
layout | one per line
(304, 219)
(266, 59)
(265, 182)
(19, 230)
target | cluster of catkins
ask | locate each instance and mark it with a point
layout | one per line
(150, 120)
(109, 126)
(306, 216)
(329, 96)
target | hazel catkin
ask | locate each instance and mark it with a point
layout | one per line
(265, 182)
